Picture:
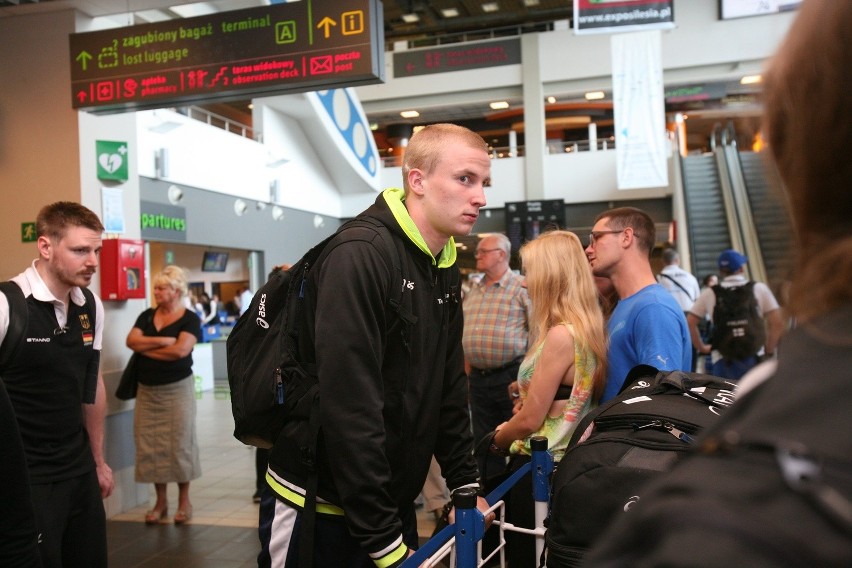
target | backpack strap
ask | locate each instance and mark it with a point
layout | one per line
(390, 252)
(679, 285)
(719, 289)
(18, 317)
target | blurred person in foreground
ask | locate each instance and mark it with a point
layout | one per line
(164, 417)
(770, 484)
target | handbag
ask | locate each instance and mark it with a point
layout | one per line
(126, 388)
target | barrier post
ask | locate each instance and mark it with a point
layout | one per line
(542, 467)
(470, 526)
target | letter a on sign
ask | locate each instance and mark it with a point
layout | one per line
(285, 32)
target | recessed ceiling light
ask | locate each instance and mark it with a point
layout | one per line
(751, 79)
(551, 99)
(410, 18)
(194, 9)
(409, 114)
(490, 7)
(595, 95)
(529, 3)
(497, 105)
(450, 12)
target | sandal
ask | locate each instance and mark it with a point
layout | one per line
(183, 515)
(153, 517)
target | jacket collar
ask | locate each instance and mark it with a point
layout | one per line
(395, 199)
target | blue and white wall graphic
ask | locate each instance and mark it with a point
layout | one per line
(344, 119)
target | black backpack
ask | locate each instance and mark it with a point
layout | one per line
(738, 328)
(269, 384)
(633, 439)
(771, 481)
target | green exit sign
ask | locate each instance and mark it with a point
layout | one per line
(28, 233)
(282, 48)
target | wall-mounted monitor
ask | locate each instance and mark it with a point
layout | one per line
(214, 261)
(525, 220)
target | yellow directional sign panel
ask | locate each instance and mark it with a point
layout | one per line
(290, 47)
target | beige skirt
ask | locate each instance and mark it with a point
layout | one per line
(164, 432)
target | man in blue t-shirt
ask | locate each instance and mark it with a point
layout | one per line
(647, 327)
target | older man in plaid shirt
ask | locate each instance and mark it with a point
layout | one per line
(496, 336)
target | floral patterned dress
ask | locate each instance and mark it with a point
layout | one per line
(558, 429)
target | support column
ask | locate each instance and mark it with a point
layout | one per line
(534, 131)
(593, 137)
(513, 143)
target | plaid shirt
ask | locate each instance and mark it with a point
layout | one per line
(496, 322)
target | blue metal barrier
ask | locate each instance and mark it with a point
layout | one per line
(469, 526)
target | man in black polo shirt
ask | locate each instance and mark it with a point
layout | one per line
(56, 389)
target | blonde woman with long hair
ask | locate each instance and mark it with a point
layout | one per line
(563, 373)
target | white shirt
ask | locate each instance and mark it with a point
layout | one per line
(32, 285)
(684, 297)
(245, 300)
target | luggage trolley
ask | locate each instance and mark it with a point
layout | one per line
(461, 541)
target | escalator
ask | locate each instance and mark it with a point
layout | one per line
(708, 230)
(769, 214)
(734, 199)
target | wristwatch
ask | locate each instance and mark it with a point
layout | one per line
(495, 449)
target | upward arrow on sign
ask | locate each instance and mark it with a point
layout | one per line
(84, 58)
(326, 23)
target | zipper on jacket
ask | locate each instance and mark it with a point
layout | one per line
(279, 387)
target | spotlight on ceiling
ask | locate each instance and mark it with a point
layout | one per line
(499, 105)
(409, 114)
(751, 79)
(489, 7)
(551, 99)
(410, 18)
(595, 95)
(450, 12)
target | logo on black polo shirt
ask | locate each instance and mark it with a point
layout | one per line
(88, 335)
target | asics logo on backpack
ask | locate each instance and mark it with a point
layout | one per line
(261, 313)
